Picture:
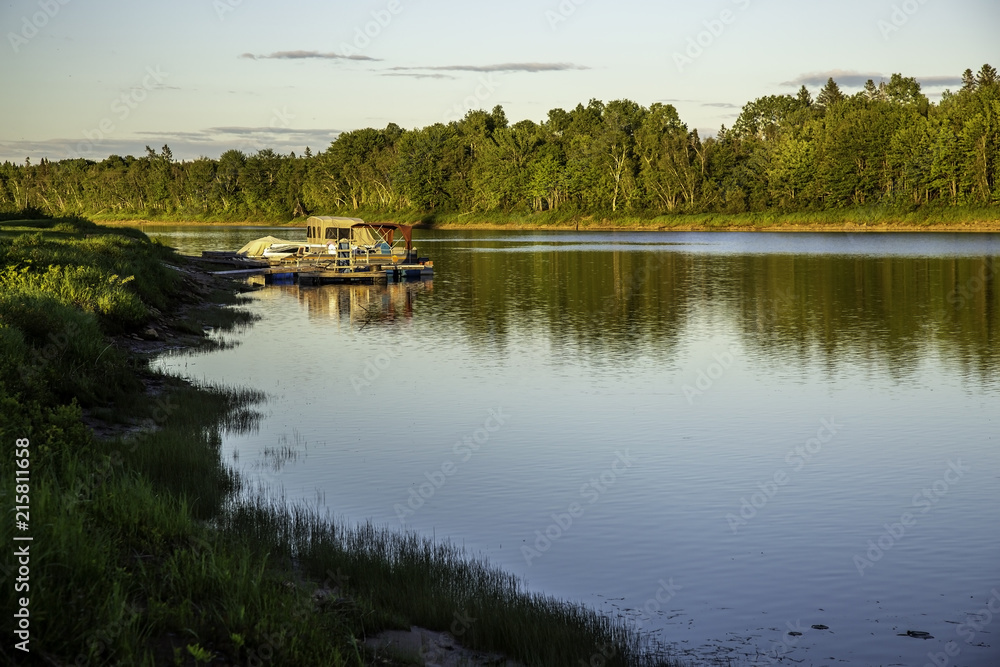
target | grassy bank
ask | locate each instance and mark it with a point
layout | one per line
(873, 218)
(163, 218)
(146, 549)
(854, 220)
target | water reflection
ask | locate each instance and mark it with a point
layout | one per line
(801, 310)
(882, 300)
(361, 305)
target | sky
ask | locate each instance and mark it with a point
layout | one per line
(92, 79)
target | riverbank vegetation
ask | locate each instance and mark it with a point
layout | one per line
(852, 219)
(885, 154)
(148, 550)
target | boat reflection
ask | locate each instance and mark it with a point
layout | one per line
(360, 304)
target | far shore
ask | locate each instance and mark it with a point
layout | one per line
(604, 225)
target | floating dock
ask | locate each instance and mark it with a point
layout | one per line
(336, 250)
(316, 273)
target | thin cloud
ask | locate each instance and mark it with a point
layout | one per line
(186, 145)
(306, 55)
(501, 67)
(698, 102)
(939, 81)
(849, 78)
(717, 105)
(418, 75)
(853, 79)
(182, 136)
(248, 131)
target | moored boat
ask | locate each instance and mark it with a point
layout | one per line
(338, 245)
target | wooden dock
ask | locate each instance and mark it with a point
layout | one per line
(315, 274)
(344, 266)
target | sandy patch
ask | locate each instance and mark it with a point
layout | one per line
(418, 646)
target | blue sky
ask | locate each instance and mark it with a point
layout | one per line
(91, 79)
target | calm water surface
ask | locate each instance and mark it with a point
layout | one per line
(719, 436)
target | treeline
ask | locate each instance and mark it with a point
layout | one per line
(886, 145)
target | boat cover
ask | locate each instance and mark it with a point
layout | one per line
(362, 233)
(256, 248)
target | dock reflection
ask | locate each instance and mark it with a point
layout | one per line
(359, 304)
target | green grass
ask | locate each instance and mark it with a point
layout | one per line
(148, 550)
(96, 261)
(180, 217)
(884, 218)
(833, 220)
(394, 580)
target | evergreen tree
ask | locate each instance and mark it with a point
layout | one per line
(968, 81)
(804, 97)
(872, 92)
(829, 95)
(987, 76)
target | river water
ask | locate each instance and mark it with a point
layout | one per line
(724, 437)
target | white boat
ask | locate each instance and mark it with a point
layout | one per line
(279, 251)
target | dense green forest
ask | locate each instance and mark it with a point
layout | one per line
(886, 145)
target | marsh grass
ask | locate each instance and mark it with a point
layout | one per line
(411, 579)
(378, 578)
(286, 451)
